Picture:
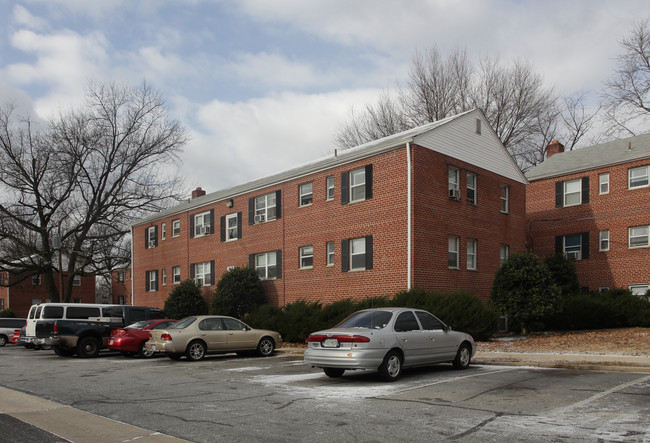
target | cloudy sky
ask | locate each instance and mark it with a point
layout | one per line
(262, 85)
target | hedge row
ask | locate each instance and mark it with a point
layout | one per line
(460, 310)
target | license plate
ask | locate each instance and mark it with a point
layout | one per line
(330, 343)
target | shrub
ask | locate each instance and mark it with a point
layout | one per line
(239, 292)
(564, 274)
(186, 300)
(7, 313)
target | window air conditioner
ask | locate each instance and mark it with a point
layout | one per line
(454, 194)
(259, 218)
(152, 244)
(199, 282)
(573, 255)
(203, 230)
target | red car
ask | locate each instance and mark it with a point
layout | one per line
(131, 339)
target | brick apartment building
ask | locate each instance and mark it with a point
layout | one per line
(21, 296)
(434, 207)
(593, 204)
(121, 287)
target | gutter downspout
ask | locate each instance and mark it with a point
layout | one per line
(132, 258)
(409, 221)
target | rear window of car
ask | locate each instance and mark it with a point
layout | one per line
(367, 320)
(52, 312)
(113, 311)
(140, 324)
(182, 324)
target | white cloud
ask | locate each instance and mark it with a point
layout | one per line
(23, 17)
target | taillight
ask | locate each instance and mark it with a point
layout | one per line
(56, 328)
(340, 338)
(316, 337)
(166, 337)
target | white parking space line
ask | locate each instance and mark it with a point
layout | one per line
(454, 379)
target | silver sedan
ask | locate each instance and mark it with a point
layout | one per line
(387, 340)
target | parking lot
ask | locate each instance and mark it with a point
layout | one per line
(230, 398)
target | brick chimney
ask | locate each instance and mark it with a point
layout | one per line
(554, 148)
(198, 192)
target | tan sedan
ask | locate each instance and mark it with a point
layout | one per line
(195, 336)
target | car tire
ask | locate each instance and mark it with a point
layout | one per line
(142, 352)
(265, 347)
(3, 340)
(333, 372)
(463, 356)
(175, 356)
(63, 352)
(195, 351)
(391, 368)
(88, 347)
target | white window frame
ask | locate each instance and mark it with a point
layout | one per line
(603, 240)
(266, 265)
(176, 228)
(472, 180)
(202, 224)
(453, 252)
(572, 193)
(358, 185)
(76, 280)
(151, 236)
(638, 232)
(163, 231)
(200, 271)
(357, 254)
(176, 275)
(307, 257)
(265, 208)
(472, 253)
(643, 177)
(306, 194)
(504, 253)
(639, 290)
(505, 199)
(163, 277)
(120, 277)
(36, 280)
(330, 253)
(329, 182)
(603, 183)
(153, 282)
(232, 231)
(453, 180)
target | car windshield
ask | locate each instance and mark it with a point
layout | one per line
(367, 319)
(182, 324)
(140, 324)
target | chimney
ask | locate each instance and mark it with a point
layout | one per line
(554, 148)
(198, 192)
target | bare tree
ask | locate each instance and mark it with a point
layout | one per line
(626, 97)
(84, 177)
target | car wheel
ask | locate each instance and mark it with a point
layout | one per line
(143, 352)
(175, 356)
(195, 351)
(463, 357)
(63, 352)
(46, 347)
(333, 372)
(3, 340)
(88, 347)
(265, 347)
(391, 368)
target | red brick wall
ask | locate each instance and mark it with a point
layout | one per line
(121, 288)
(617, 211)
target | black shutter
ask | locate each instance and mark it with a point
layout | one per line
(559, 194)
(155, 235)
(368, 181)
(192, 271)
(211, 221)
(278, 263)
(156, 280)
(584, 243)
(278, 204)
(211, 277)
(146, 238)
(559, 244)
(239, 216)
(146, 282)
(251, 211)
(585, 189)
(191, 226)
(223, 228)
(251, 261)
(369, 260)
(345, 253)
(345, 188)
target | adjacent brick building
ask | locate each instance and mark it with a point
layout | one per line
(593, 204)
(434, 207)
(121, 287)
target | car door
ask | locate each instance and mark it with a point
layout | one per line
(414, 342)
(212, 331)
(442, 347)
(240, 336)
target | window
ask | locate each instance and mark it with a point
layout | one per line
(231, 227)
(268, 264)
(471, 254)
(357, 254)
(574, 246)
(453, 252)
(120, 277)
(505, 199)
(151, 281)
(36, 280)
(264, 208)
(638, 177)
(639, 290)
(202, 273)
(638, 237)
(176, 228)
(603, 240)
(176, 275)
(330, 253)
(603, 183)
(306, 257)
(504, 252)
(306, 194)
(151, 237)
(202, 223)
(471, 188)
(163, 231)
(356, 185)
(330, 187)
(164, 276)
(76, 280)
(572, 192)
(454, 186)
